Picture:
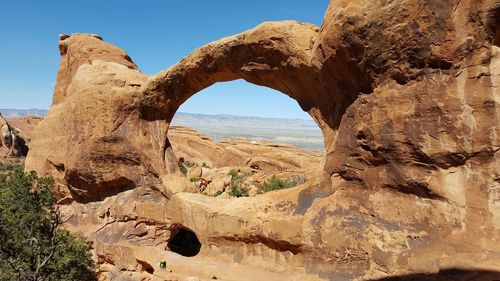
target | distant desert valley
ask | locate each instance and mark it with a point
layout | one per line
(245, 146)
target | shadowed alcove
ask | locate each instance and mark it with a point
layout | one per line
(494, 23)
(184, 242)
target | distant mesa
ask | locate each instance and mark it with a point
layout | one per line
(16, 113)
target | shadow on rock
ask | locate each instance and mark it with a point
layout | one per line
(448, 275)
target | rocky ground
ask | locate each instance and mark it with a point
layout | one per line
(212, 167)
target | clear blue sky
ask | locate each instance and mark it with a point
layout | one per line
(155, 33)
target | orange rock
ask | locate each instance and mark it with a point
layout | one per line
(11, 142)
(405, 92)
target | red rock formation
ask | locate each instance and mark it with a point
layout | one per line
(405, 92)
(25, 125)
(11, 143)
(83, 49)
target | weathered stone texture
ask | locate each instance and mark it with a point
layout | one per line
(406, 93)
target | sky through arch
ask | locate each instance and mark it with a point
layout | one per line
(241, 110)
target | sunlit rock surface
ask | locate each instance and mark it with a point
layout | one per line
(406, 95)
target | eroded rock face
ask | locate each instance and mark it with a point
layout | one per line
(25, 125)
(11, 143)
(405, 92)
(83, 49)
(438, 71)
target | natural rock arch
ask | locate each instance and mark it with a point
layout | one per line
(324, 70)
(406, 95)
(278, 55)
(275, 55)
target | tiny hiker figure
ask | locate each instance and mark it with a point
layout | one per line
(163, 264)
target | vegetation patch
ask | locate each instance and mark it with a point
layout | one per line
(238, 187)
(184, 166)
(6, 168)
(33, 244)
(216, 194)
(275, 183)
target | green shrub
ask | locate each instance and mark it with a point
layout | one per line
(233, 173)
(238, 190)
(8, 167)
(33, 244)
(184, 166)
(217, 193)
(194, 179)
(237, 187)
(183, 169)
(275, 183)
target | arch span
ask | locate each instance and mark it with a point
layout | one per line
(275, 55)
(137, 109)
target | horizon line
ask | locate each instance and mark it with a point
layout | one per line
(184, 112)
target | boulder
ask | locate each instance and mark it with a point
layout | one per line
(14, 145)
(218, 184)
(121, 257)
(5, 136)
(25, 125)
(194, 172)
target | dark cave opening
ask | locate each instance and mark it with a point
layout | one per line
(184, 242)
(494, 23)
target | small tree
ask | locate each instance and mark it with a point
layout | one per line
(33, 245)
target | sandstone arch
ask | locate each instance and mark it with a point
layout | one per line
(405, 91)
(324, 70)
(275, 55)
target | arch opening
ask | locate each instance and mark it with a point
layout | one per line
(228, 110)
(242, 140)
(184, 242)
(276, 55)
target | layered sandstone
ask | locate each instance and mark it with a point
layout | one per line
(259, 155)
(405, 92)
